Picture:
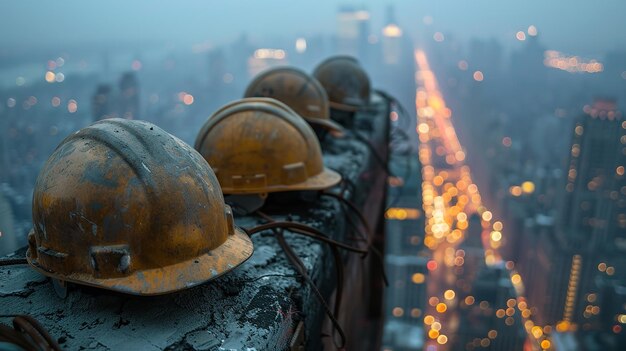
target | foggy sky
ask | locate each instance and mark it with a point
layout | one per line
(575, 26)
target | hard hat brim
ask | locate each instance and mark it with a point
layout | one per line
(324, 180)
(163, 280)
(344, 107)
(327, 124)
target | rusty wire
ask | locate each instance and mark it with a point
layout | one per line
(368, 235)
(299, 228)
(28, 334)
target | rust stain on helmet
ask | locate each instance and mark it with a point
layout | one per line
(298, 90)
(124, 205)
(260, 145)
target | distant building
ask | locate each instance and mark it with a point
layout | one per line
(103, 103)
(392, 40)
(405, 263)
(106, 102)
(591, 222)
(238, 65)
(217, 68)
(265, 58)
(408, 287)
(491, 320)
(486, 56)
(527, 64)
(472, 247)
(353, 32)
(129, 96)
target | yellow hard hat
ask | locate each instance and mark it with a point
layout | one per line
(303, 93)
(345, 81)
(258, 146)
(124, 205)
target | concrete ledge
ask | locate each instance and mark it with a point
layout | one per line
(255, 307)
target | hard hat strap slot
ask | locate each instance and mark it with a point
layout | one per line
(256, 181)
(53, 260)
(110, 260)
(294, 173)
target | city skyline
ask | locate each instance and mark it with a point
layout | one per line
(73, 23)
(499, 152)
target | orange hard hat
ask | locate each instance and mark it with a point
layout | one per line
(345, 81)
(260, 145)
(298, 90)
(124, 205)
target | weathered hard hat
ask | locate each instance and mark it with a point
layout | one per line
(257, 146)
(303, 93)
(345, 82)
(315, 123)
(124, 205)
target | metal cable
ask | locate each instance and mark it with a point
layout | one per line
(28, 334)
(304, 230)
(369, 235)
(301, 269)
(299, 266)
(336, 257)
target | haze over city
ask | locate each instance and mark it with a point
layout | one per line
(465, 157)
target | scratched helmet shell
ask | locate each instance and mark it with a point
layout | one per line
(298, 90)
(124, 205)
(259, 146)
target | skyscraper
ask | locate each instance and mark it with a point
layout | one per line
(353, 31)
(129, 96)
(591, 223)
(392, 39)
(405, 261)
(102, 103)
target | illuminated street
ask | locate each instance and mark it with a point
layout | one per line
(450, 198)
(252, 175)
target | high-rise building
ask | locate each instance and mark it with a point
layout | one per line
(102, 103)
(217, 68)
(265, 58)
(129, 96)
(405, 262)
(353, 31)
(405, 301)
(590, 227)
(491, 320)
(392, 39)
(472, 251)
(240, 53)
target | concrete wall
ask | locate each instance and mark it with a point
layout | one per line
(255, 307)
